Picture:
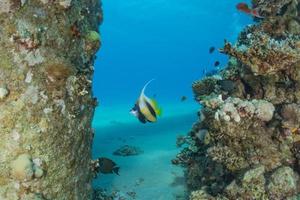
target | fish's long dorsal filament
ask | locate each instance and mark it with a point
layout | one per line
(144, 88)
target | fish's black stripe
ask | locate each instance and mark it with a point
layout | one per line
(140, 115)
(152, 111)
(142, 118)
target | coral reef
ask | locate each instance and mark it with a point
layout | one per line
(264, 54)
(246, 144)
(128, 150)
(47, 53)
(100, 194)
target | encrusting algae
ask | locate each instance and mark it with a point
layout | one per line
(246, 144)
(47, 54)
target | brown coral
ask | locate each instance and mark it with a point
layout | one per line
(204, 87)
(251, 114)
(57, 73)
(291, 115)
(264, 54)
(272, 7)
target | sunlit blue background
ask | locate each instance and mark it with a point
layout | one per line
(163, 39)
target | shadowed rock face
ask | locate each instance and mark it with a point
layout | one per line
(46, 102)
(246, 144)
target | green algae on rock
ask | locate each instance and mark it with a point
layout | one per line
(283, 183)
(46, 100)
(252, 149)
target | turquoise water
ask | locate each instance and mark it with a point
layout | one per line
(154, 166)
(167, 40)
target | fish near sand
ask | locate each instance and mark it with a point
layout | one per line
(243, 7)
(107, 166)
(146, 109)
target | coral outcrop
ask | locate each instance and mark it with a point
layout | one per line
(128, 150)
(46, 103)
(246, 144)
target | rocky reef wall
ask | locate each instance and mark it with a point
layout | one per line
(246, 144)
(46, 103)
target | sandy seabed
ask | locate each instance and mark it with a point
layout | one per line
(149, 175)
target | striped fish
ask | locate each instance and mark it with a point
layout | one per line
(146, 109)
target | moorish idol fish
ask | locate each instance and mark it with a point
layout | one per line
(146, 109)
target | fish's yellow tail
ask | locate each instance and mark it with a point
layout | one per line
(159, 112)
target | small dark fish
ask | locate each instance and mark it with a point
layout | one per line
(227, 85)
(211, 50)
(183, 98)
(107, 166)
(217, 63)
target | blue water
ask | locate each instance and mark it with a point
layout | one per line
(167, 40)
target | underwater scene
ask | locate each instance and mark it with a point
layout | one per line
(198, 100)
(150, 100)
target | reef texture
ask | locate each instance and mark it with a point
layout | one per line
(128, 150)
(246, 144)
(46, 104)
